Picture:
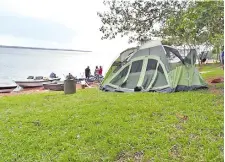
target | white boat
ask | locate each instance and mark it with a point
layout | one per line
(32, 82)
(7, 87)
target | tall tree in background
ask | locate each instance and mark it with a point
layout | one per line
(179, 22)
(139, 19)
(201, 23)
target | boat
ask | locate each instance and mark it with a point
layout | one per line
(32, 82)
(44, 78)
(7, 88)
(54, 86)
(91, 79)
(54, 79)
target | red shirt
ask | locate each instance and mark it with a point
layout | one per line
(100, 71)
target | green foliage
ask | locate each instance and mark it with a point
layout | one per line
(166, 42)
(136, 18)
(179, 22)
(201, 23)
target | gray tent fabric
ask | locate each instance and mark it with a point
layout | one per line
(191, 57)
(153, 67)
(171, 53)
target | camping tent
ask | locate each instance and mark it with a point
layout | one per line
(153, 67)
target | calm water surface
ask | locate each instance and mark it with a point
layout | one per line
(20, 63)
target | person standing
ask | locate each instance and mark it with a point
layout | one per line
(96, 70)
(87, 72)
(97, 73)
(100, 71)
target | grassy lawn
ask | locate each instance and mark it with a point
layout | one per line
(211, 70)
(96, 126)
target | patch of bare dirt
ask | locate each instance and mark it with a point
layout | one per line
(212, 81)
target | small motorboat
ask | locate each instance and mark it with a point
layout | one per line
(7, 87)
(54, 86)
(32, 82)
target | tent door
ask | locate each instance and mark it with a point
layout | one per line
(149, 73)
(155, 75)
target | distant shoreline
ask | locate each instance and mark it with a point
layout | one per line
(40, 48)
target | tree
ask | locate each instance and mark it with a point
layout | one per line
(180, 22)
(137, 19)
(201, 23)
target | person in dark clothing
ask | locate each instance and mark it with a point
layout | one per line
(203, 57)
(87, 72)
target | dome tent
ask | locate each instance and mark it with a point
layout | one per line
(153, 67)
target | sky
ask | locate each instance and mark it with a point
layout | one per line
(70, 24)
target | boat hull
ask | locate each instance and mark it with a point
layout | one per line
(7, 89)
(54, 79)
(30, 84)
(54, 86)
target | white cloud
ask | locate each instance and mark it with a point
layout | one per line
(75, 14)
(80, 16)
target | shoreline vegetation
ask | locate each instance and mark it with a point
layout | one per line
(92, 125)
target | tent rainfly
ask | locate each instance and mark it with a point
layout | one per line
(153, 67)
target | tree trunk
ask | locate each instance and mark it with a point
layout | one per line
(218, 54)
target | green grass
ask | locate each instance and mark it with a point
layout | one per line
(212, 70)
(96, 126)
(209, 67)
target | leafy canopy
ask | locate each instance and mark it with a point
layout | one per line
(179, 22)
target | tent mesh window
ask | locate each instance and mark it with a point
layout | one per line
(134, 75)
(150, 71)
(120, 77)
(160, 78)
